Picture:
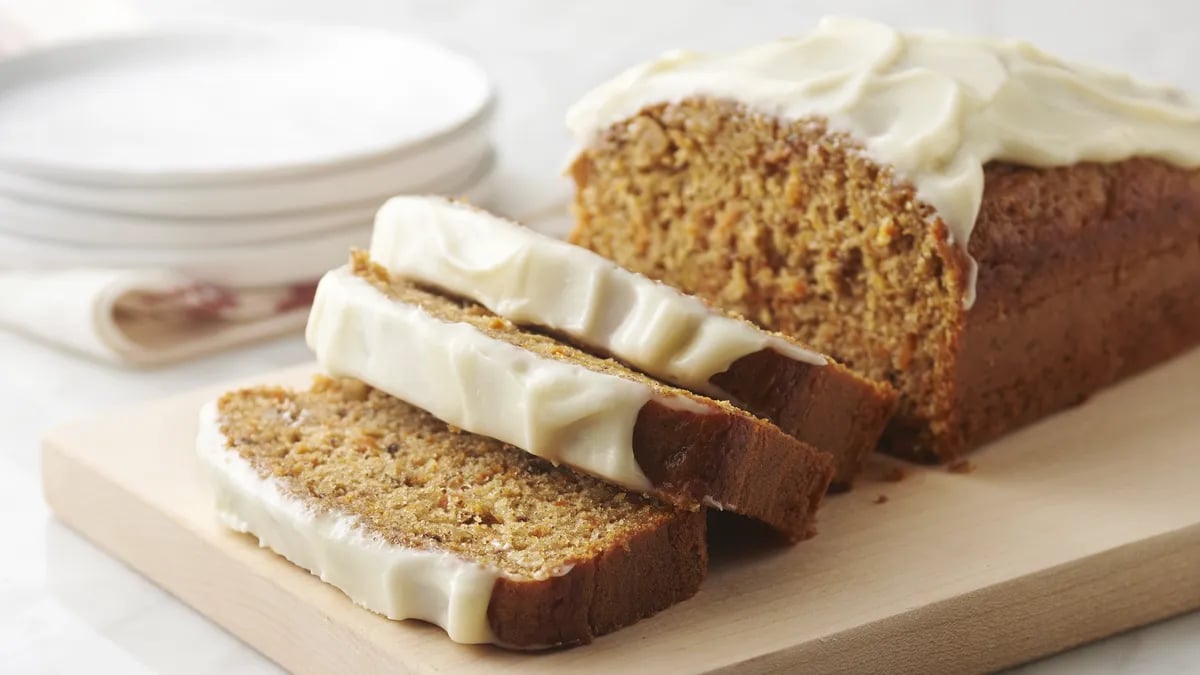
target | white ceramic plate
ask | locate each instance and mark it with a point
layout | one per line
(217, 104)
(445, 163)
(53, 224)
(299, 258)
(72, 227)
(283, 261)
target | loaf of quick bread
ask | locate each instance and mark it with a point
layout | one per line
(994, 231)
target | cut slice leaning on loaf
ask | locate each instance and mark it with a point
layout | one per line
(530, 278)
(416, 520)
(481, 373)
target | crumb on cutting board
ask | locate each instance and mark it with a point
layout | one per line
(960, 466)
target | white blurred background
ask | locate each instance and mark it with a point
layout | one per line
(65, 607)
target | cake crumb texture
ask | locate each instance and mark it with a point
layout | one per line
(416, 482)
(1087, 273)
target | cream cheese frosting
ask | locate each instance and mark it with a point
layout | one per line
(395, 581)
(558, 411)
(531, 278)
(934, 106)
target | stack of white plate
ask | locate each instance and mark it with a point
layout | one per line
(214, 148)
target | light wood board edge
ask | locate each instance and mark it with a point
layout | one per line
(290, 631)
(981, 631)
(994, 627)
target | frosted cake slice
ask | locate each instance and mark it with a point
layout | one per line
(414, 519)
(480, 372)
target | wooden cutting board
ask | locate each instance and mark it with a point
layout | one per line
(1076, 528)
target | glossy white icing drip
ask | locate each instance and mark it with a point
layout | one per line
(934, 106)
(397, 582)
(553, 409)
(532, 278)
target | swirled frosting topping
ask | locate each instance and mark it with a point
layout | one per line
(935, 107)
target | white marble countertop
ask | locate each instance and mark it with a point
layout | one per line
(67, 607)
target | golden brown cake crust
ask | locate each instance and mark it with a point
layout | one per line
(725, 453)
(652, 571)
(1088, 273)
(416, 482)
(829, 407)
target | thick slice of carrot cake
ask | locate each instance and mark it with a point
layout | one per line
(415, 519)
(484, 374)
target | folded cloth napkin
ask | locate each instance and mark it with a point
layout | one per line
(145, 317)
(153, 306)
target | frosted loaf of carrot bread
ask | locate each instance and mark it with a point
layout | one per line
(996, 232)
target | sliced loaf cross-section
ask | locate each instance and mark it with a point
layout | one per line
(483, 374)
